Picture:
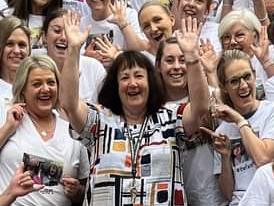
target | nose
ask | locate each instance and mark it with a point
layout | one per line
(16, 48)
(45, 87)
(132, 82)
(233, 41)
(153, 27)
(63, 35)
(242, 83)
(177, 64)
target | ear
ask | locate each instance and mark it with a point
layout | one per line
(44, 39)
(172, 19)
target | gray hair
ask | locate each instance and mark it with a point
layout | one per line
(244, 16)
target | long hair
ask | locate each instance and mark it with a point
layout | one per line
(109, 94)
(22, 8)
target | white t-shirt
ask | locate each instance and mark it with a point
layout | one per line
(3, 4)
(61, 148)
(260, 191)
(92, 74)
(6, 91)
(243, 166)
(104, 27)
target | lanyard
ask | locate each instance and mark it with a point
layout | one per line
(134, 148)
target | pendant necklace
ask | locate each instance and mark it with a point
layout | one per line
(41, 131)
(134, 148)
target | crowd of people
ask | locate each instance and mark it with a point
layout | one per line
(116, 102)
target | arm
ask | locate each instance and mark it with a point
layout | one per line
(14, 116)
(75, 189)
(260, 150)
(260, 11)
(75, 110)
(221, 144)
(129, 29)
(197, 83)
(20, 185)
(227, 7)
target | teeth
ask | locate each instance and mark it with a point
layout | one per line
(157, 37)
(61, 46)
(243, 95)
(44, 98)
(176, 76)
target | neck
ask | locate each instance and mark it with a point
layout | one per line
(134, 117)
(36, 11)
(7, 76)
(247, 110)
(176, 94)
(153, 48)
(99, 15)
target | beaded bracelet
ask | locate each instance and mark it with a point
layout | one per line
(243, 123)
(263, 19)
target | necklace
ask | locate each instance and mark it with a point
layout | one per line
(134, 148)
(43, 132)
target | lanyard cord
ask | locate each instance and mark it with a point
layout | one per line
(135, 147)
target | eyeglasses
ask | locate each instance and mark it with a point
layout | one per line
(235, 82)
(238, 37)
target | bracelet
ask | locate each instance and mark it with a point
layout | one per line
(243, 123)
(263, 19)
(193, 61)
(123, 26)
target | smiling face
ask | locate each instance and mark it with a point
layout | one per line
(40, 92)
(133, 89)
(156, 23)
(195, 8)
(15, 50)
(241, 85)
(172, 68)
(238, 37)
(56, 40)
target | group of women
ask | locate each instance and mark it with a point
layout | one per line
(149, 114)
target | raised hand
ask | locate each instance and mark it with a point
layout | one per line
(107, 49)
(208, 56)
(118, 10)
(14, 117)
(261, 49)
(221, 142)
(74, 35)
(188, 37)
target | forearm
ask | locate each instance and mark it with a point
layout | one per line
(227, 7)
(69, 80)
(6, 198)
(212, 79)
(197, 84)
(260, 11)
(226, 179)
(268, 66)
(5, 133)
(259, 150)
(133, 41)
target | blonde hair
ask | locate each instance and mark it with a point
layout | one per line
(22, 74)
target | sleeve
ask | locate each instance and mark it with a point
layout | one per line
(258, 191)
(269, 89)
(268, 129)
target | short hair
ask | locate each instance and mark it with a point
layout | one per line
(109, 94)
(208, 3)
(22, 8)
(226, 59)
(22, 74)
(245, 17)
(8, 25)
(51, 16)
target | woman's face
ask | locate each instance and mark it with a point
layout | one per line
(172, 67)
(16, 49)
(238, 37)
(241, 85)
(156, 23)
(133, 89)
(194, 8)
(41, 92)
(56, 39)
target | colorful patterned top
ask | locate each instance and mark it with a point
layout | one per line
(159, 178)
